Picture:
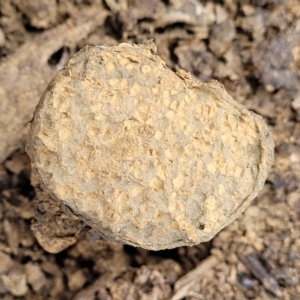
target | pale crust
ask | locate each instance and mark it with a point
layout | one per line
(146, 156)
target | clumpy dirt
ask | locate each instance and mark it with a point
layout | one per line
(253, 48)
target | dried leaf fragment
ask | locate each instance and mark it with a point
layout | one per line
(144, 155)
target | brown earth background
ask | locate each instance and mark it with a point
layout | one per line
(250, 46)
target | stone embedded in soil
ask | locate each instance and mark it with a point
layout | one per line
(15, 282)
(144, 155)
(35, 276)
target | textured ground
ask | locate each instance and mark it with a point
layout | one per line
(253, 48)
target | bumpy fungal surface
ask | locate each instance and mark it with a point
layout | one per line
(144, 155)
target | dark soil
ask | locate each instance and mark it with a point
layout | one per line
(253, 48)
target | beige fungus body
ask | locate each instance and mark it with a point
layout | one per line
(146, 156)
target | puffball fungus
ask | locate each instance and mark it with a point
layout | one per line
(146, 156)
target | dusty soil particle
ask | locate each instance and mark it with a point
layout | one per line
(41, 14)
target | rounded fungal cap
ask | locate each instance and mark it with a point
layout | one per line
(144, 155)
